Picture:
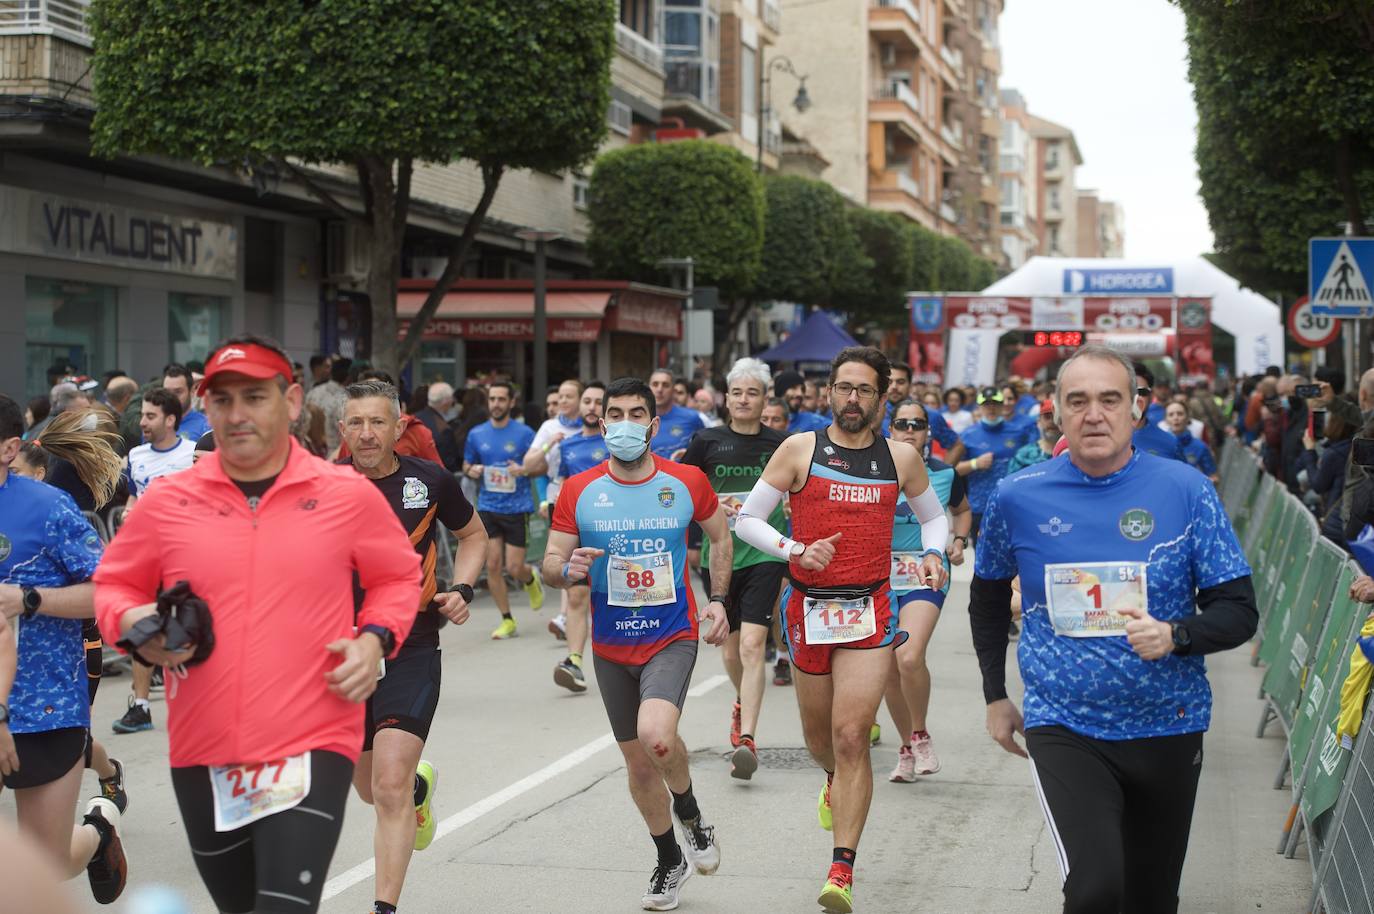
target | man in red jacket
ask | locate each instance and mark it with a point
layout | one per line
(264, 732)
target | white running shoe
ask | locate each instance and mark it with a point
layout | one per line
(927, 762)
(905, 772)
(702, 850)
(558, 626)
(664, 886)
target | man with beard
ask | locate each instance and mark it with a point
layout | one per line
(838, 612)
(390, 774)
(1042, 449)
(990, 448)
(575, 454)
(940, 432)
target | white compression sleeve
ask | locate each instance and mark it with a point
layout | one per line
(751, 525)
(934, 524)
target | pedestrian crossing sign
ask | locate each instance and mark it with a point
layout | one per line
(1339, 274)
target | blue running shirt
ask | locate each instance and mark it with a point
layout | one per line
(1002, 442)
(675, 428)
(642, 527)
(580, 452)
(1154, 440)
(46, 542)
(495, 447)
(1196, 454)
(804, 421)
(1157, 511)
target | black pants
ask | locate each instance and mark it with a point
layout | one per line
(276, 864)
(1119, 813)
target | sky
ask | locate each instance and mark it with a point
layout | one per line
(1115, 72)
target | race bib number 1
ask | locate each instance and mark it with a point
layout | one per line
(1085, 600)
(498, 479)
(838, 621)
(247, 793)
(641, 580)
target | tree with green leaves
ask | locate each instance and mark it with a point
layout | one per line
(955, 260)
(376, 87)
(889, 247)
(925, 259)
(1285, 145)
(811, 251)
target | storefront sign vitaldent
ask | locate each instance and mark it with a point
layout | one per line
(52, 226)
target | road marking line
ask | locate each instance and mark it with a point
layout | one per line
(365, 870)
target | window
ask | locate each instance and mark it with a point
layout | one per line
(70, 322)
(620, 117)
(1054, 239)
(580, 186)
(691, 38)
(1052, 196)
(1052, 155)
(195, 323)
(748, 84)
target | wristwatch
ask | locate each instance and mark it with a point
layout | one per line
(717, 598)
(1183, 641)
(32, 600)
(384, 635)
(797, 550)
(464, 591)
(4, 714)
(961, 539)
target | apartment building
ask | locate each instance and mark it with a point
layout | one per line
(970, 40)
(1101, 229)
(1057, 159)
(1019, 182)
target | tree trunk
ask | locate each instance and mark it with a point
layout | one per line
(375, 177)
(723, 356)
(1350, 191)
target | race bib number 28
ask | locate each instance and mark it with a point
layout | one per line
(1086, 600)
(247, 793)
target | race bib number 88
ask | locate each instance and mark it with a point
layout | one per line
(641, 580)
(1086, 600)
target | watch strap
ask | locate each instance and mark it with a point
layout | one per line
(464, 591)
(384, 634)
(717, 598)
(4, 714)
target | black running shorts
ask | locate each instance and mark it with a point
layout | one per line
(754, 593)
(513, 528)
(45, 757)
(277, 864)
(407, 696)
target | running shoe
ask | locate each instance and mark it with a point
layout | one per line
(782, 673)
(569, 675)
(837, 895)
(702, 850)
(905, 772)
(424, 813)
(875, 735)
(157, 685)
(558, 627)
(107, 870)
(823, 808)
(735, 724)
(505, 630)
(112, 789)
(535, 590)
(745, 760)
(135, 720)
(664, 886)
(923, 752)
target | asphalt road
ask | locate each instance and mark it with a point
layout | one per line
(535, 815)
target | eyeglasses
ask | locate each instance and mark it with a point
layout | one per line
(844, 389)
(910, 425)
(1142, 392)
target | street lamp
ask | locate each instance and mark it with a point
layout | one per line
(540, 237)
(801, 102)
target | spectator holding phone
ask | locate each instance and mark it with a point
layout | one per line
(1326, 468)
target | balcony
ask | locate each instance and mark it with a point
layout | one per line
(952, 57)
(1013, 163)
(896, 190)
(772, 15)
(948, 213)
(897, 21)
(634, 45)
(902, 93)
(905, 5)
(63, 18)
(953, 134)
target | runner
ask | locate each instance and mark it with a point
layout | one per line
(844, 483)
(677, 423)
(576, 454)
(775, 414)
(791, 387)
(541, 460)
(178, 381)
(1195, 453)
(908, 684)
(989, 449)
(733, 457)
(274, 530)
(1148, 436)
(504, 502)
(623, 526)
(1042, 448)
(1117, 550)
(390, 774)
(48, 553)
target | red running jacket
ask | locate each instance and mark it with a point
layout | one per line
(279, 584)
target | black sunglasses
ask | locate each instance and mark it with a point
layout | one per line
(910, 425)
(1142, 392)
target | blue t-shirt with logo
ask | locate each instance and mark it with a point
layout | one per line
(1196, 454)
(193, 425)
(491, 446)
(1154, 440)
(45, 541)
(1002, 442)
(580, 452)
(675, 428)
(1156, 511)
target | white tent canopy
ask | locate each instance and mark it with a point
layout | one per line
(1255, 321)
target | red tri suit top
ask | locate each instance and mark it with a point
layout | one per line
(641, 593)
(849, 492)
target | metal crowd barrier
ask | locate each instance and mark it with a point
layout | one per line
(1307, 634)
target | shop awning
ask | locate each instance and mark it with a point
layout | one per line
(578, 310)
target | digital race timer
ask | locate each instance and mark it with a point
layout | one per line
(1071, 338)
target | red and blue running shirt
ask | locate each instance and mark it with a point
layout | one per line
(641, 594)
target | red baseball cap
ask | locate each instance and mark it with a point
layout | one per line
(248, 359)
(1047, 407)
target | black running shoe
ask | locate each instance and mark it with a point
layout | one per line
(112, 789)
(108, 870)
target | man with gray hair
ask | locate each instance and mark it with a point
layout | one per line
(1130, 573)
(733, 456)
(439, 401)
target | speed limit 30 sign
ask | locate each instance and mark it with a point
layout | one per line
(1311, 330)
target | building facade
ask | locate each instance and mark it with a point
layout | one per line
(1019, 182)
(1100, 229)
(1056, 163)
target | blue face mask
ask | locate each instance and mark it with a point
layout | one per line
(993, 422)
(627, 440)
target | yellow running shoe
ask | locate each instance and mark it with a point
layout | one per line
(505, 630)
(535, 590)
(875, 735)
(424, 813)
(837, 896)
(823, 808)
